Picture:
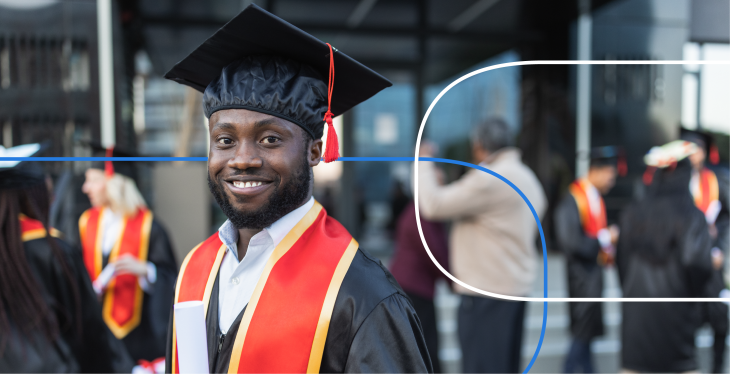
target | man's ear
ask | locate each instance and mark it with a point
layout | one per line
(315, 152)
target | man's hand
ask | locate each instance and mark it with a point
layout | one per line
(713, 231)
(717, 258)
(427, 149)
(614, 230)
(127, 264)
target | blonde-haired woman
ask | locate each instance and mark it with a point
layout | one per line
(129, 259)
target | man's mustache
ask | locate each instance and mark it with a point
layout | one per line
(248, 173)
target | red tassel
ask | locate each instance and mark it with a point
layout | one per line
(648, 175)
(714, 155)
(332, 153)
(108, 166)
(623, 169)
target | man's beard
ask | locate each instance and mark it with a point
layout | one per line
(283, 200)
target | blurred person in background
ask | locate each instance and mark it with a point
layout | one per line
(50, 319)
(417, 274)
(492, 244)
(588, 242)
(129, 258)
(710, 193)
(664, 251)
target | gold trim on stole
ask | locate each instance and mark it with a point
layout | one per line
(320, 335)
(289, 240)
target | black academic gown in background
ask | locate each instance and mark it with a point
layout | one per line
(95, 350)
(663, 251)
(373, 328)
(717, 313)
(585, 276)
(722, 241)
(148, 340)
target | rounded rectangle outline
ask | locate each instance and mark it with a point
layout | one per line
(542, 236)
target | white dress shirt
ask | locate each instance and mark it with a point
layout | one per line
(111, 228)
(238, 279)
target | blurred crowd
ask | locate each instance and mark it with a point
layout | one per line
(105, 307)
(671, 242)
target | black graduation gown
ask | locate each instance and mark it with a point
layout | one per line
(148, 340)
(585, 276)
(373, 328)
(722, 223)
(663, 251)
(96, 350)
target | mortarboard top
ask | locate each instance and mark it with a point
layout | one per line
(20, 174)
(258, 61)
(607, 152)
(670, 153)
(125, 168)
(704, 141)
(609, 155)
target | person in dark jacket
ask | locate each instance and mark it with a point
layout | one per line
(663, 251)
(417, 274)
(709, 190)
(50, 320)
(120, 235)
(588, 243)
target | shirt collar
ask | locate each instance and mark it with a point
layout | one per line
(280, 228)
(228, 234)
(506, 153)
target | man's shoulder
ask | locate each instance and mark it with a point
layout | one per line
(157, 227)
(567, 201)
(368, 282)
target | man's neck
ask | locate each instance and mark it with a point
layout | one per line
(593, 183)
(244, 237)
(245, 234)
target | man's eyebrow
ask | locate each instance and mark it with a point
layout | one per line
(257, 124)
(224, 125)
(265, 122)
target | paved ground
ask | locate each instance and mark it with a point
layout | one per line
(557, 338)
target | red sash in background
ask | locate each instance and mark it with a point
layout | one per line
(122, 305)
(591, 221)
(709, 190)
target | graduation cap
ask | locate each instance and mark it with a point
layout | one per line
(259, 62)
(609, 155)
(21, 174)
(667, 156)
(110, 168)
(704, 141)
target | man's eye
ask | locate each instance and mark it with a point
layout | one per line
(225, 141)
(270, 140)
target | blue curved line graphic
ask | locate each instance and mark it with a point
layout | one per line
(433, 159)
(527, 201)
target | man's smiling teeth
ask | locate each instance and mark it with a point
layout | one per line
(247, 184)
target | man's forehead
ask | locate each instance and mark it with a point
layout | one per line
(234, 118)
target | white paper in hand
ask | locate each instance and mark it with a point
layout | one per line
(104, 278)
(192, 344)
(713, 210)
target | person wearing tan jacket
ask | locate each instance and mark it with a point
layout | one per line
(492, 244)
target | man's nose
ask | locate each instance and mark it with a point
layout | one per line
(247, 156)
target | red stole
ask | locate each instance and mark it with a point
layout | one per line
(285, 324)
(31, 229)
(591, 221)
(709, 190)
(122, 304)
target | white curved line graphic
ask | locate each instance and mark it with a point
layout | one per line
(546, 299)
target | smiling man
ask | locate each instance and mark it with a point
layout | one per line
(285, 287)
